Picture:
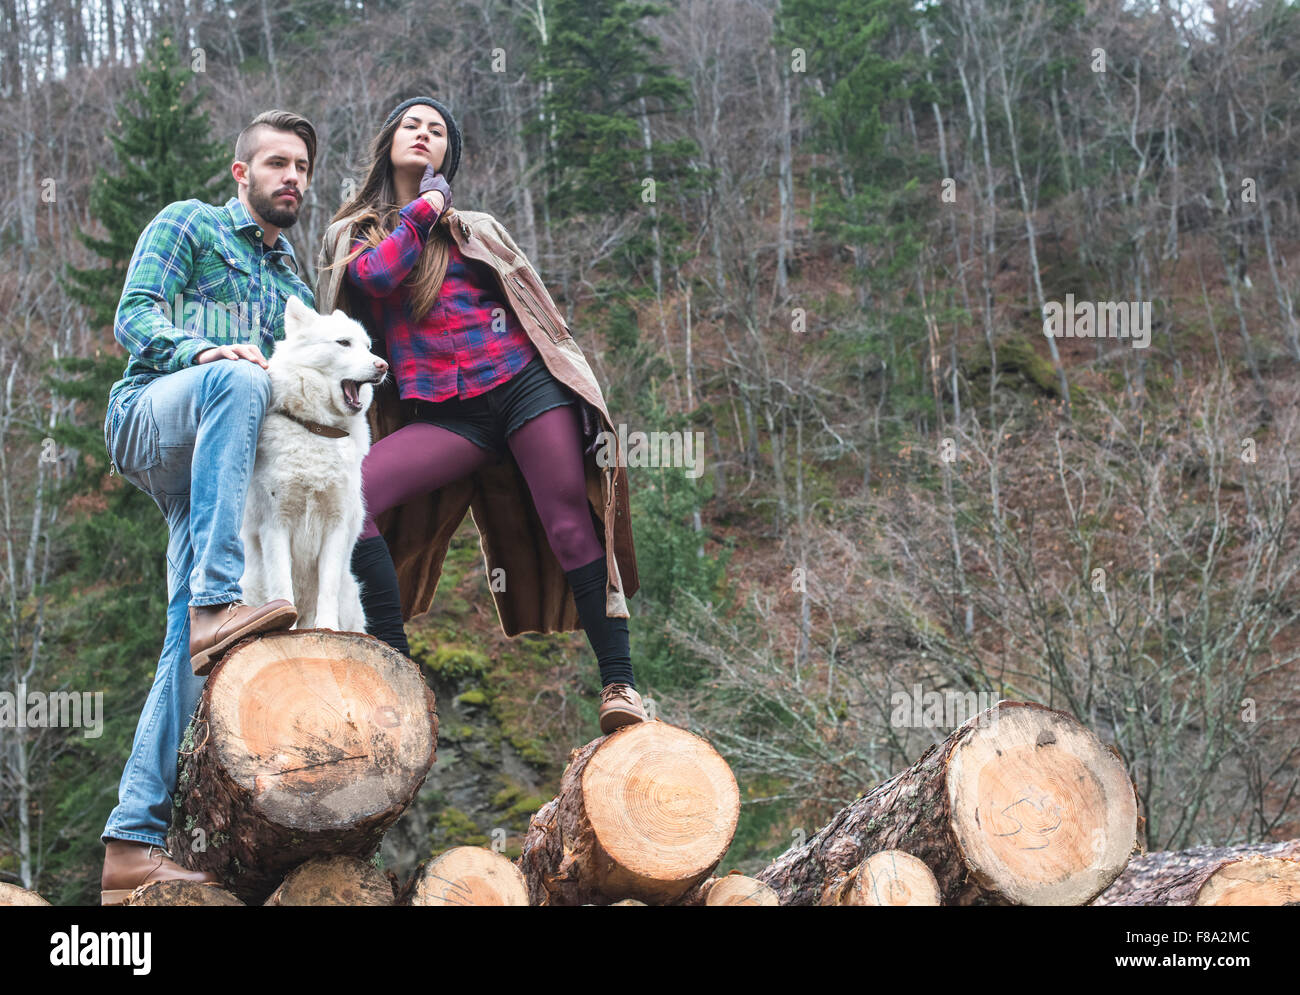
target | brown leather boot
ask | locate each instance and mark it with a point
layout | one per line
(127, 865)
(215, 628)
(620, 705)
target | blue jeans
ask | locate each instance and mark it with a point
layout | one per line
(187, 439)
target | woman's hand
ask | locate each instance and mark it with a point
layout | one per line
(435, 189)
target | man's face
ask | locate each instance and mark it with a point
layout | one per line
(277, 177)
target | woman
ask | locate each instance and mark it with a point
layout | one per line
(492, 390)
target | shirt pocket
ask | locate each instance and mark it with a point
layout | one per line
(224, 285)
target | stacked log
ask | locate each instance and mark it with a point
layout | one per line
(1252, 874)
(12, 895)
(646, 812)
(466, 875)
(890, 877)
(737, 889)
(338, 880)
(1020, 805)
(181, 893)
(305, 743)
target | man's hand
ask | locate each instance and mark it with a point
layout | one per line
(242, 350)
(434, 188)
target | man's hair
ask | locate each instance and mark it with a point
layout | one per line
(247, 142)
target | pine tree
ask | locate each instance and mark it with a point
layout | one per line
(866, 193)
(110, 601)
(598, 68)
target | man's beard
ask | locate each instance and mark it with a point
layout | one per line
(270, 209)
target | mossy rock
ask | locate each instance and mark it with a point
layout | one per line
(453, 660)
(1018, 362)
(516, 803)
(455, 828)
(472, 698)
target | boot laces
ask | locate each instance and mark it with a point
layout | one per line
(617, 691)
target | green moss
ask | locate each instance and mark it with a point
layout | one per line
(531, 750)
(453, 660)
(474, 697)
(455, 828)
(1017, 360)
(515, 803)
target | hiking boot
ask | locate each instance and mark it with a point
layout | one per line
(215, 628)
(127, 865)
(620, 705)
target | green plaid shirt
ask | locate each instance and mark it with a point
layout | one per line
(202, 277)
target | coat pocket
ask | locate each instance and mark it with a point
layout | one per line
(544, 315)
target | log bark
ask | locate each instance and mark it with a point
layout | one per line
(1020, 805)
(1251, 874)
(466, 875)
(305, 743)
(334, 881)
(646, 812)
(181, 893)
(12, 895)
(890, 877)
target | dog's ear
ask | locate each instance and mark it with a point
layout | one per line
(296, 316)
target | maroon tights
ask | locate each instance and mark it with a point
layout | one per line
(419, 458)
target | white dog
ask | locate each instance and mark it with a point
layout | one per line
(304, 509)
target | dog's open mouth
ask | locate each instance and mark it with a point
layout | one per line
(352, 391)
(352, 394)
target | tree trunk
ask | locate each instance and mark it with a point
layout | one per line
(334, 881)
(647, 812)
(1020, 805)
(1254, 874)
(309, 743)
(466, 875)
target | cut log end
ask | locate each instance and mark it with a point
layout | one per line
(467, 875)
(12, 895)
(335, 880)
(1042, 812)
(178, 893)
(321, 728)
(661, 802)
(890, 877)
(646, 812)
(736, 889)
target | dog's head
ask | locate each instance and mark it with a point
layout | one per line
(330, 356)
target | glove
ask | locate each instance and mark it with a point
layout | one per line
(433, 180)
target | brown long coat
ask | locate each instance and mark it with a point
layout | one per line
(537, 596)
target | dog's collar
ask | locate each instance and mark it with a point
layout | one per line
(315, 427)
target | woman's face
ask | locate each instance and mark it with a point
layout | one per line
(420, 139)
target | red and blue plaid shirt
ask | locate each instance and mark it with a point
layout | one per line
(453, 351)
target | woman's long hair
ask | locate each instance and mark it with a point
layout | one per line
(375, 207)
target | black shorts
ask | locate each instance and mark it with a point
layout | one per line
(488, 419)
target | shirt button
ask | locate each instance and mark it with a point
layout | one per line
(259, 233)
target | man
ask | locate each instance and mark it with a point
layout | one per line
(202, 308)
